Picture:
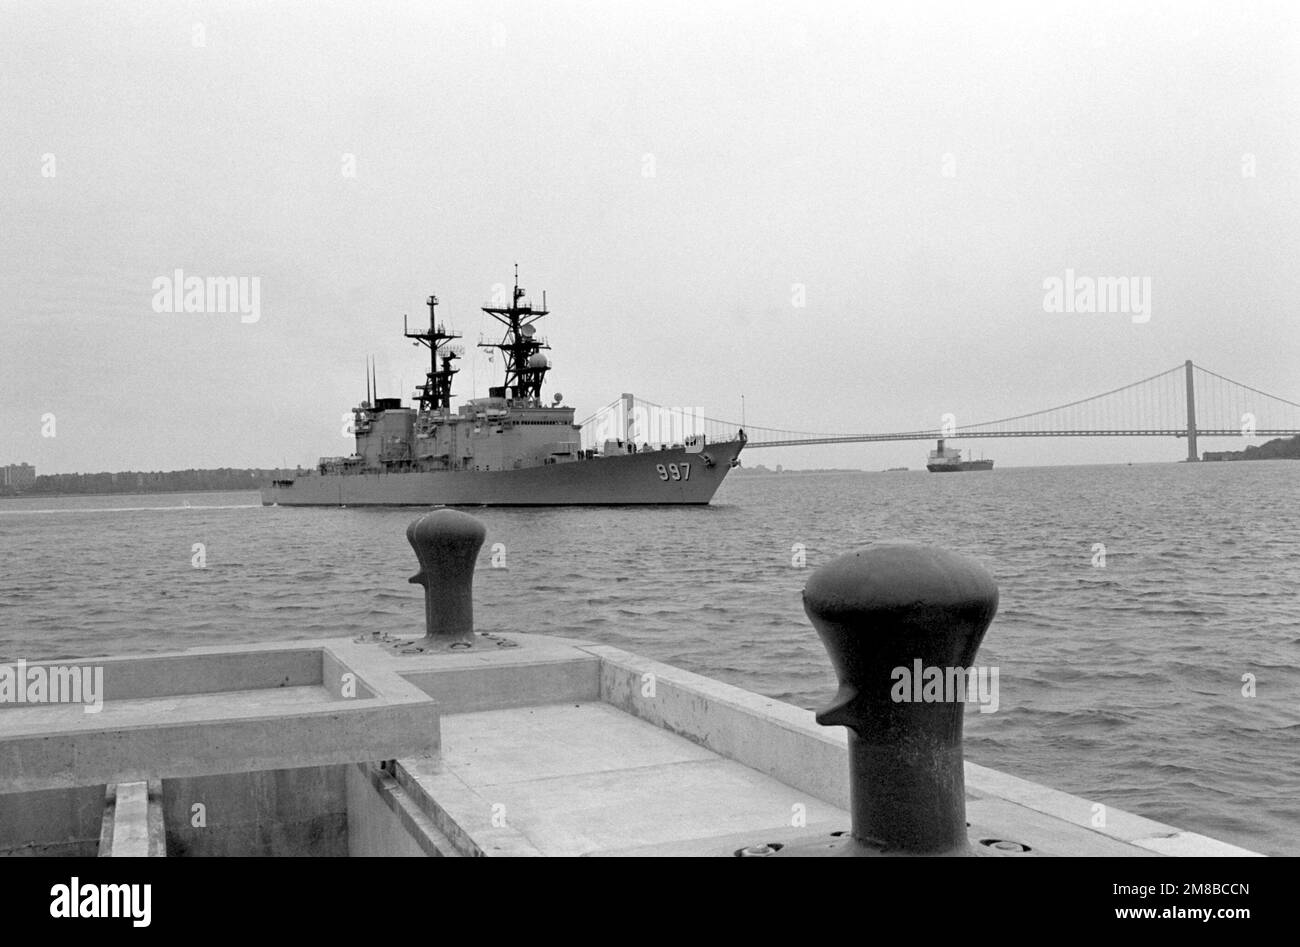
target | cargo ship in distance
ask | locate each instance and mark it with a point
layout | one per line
(508, 449)
(948, 460)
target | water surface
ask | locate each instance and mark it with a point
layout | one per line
(1121, 682)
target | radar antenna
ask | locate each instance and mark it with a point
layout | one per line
(435, 393)
(526, 367)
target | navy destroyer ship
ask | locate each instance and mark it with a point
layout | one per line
(948, 460)
(508, 449)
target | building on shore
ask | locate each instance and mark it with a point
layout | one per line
(17, 475)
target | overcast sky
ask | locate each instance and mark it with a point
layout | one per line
(670, 173)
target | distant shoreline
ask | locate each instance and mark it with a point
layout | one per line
(1280, 448)
(132, 482)
(258, 479)
(760, 470)
(127, 493)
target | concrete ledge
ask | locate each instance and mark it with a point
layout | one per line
(200, 747)
(724, 846)
(1096, 817)
(133, 821)
(197, 671)
(468, 689)
(384, 820)
(460, 813)
(786, 742)
(999, 819)
(165, 718)
(773, 737)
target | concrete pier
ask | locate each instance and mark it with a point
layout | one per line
(555, 747)
(542, 746)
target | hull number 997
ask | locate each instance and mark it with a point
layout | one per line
(674, 471)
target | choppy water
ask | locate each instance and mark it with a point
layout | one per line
(1121, 683)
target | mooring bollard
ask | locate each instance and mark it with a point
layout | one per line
(447, 543)
(898, 606)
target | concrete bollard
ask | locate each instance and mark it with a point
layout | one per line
(886, 607)
(447, 543)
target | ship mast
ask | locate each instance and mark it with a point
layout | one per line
(435, 393)
(526, 367)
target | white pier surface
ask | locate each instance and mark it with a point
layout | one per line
(552, 747)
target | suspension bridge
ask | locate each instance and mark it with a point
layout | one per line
(1187, 401)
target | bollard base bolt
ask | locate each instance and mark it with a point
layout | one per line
(843, 845)
(398, 644)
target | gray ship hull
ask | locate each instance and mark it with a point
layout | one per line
(622, 480)
(964, 466)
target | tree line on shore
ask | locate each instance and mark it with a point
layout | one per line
(140, 481)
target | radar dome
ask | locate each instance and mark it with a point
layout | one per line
(538, 361)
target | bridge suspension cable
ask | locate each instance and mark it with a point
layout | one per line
(1183, 401)
(1158, 397)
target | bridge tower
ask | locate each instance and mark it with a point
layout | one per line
(1192, 455)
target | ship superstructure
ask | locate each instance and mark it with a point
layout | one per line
(948, 460)
(509, 448)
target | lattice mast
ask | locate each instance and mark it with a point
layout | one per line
(435, 393)
(526, 366)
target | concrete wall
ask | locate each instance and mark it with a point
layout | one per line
(353, 809)
(52, 822)
(383, 821)
(282, 812)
